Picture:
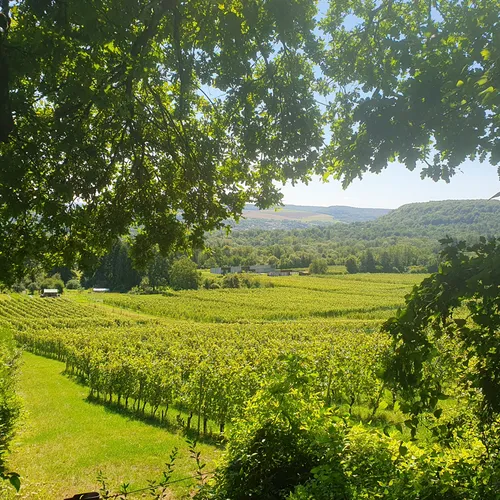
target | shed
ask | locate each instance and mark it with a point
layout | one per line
(100, 290)
(50, 292)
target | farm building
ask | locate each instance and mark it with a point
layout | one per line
(224, 270)
(50, 292)
(100, 290)
(261, 269)
(283, 272)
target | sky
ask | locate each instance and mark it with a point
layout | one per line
(397, 186)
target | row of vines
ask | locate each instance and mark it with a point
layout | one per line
(206, 371)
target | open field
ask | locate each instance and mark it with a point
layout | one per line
(187, 361)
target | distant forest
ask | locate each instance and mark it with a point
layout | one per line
(405, 240)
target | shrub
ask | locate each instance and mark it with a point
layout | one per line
(279, 441)
(184, 275)
(9, 403)
(318, 266)
(53, 282)
(73, 284)
(352, 265)
(18, 287)
(231, 281)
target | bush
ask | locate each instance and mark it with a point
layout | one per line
(18, 287)
(33, 287)
(352, 265)
(184, 275)
(287, 445)
(417, 269)
(73, 284)
(279, 441)
(318, 266)
(9, 403)
(53, 282)
(231, 281)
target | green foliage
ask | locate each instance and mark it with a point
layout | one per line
(179, 114)
(415, 81)
(352, 265)
(116, 270)
(404, 238)
(184, 275)
(73, 284)
(231, 281)
(457, 306)
(208, 370)
(158, 271)
(279, 440)
(368, 263)
(52, 282)
(33, 287)
(310, 388)
(318, 266)
(287, 445)
(182, 112)
(9, 403)
(18, 287)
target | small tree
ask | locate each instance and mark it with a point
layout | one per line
(73, 284)
(352, 265)
(184, 275)
(318, 266)
(368, 264)
(18, 287)
(33, 287)
(53, 282)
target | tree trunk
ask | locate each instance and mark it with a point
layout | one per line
(6, 119)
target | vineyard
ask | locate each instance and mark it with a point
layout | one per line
(175, 355)
(368, 297)
(192, 360)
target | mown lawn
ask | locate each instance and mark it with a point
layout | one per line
(64, 441)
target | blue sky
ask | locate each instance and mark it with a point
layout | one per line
(397, 186)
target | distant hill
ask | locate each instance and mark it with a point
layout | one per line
(406, 239)
(301, 216)
(433, 218)
(454, 217)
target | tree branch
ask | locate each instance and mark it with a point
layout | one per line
(6, 119)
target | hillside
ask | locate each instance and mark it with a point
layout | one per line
(437, 218)
(406, 237)
(303, 216)
(415, 219)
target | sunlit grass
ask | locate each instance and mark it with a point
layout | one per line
(64, 441)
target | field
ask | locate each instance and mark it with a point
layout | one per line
(141, 371)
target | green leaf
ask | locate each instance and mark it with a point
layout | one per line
(486, 54)
(15, 480)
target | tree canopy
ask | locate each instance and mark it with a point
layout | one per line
(169, 115)
(460, 303)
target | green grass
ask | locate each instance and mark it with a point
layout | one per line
(64, 441)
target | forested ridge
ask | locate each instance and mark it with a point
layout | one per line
(405, 238)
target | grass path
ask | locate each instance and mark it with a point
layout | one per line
(64, 441)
